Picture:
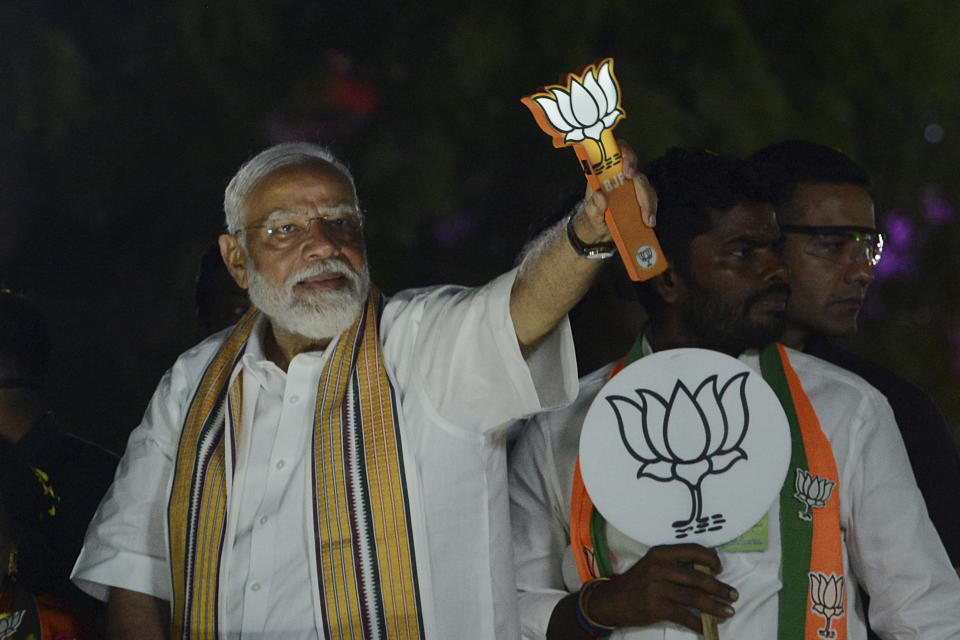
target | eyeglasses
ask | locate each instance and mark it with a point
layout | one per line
(283, 229)
(843, 244)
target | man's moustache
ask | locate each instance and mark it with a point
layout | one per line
(775, 290)
(332, 265)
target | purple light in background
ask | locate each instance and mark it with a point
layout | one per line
(897, 258)
(936, 209)
(899, 228)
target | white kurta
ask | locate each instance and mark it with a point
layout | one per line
(453, 356)
(890, 547)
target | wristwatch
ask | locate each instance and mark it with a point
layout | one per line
(598, 251)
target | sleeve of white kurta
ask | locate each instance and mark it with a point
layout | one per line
(125, 545)
(457, 348)
(540, 529)
(894, 548)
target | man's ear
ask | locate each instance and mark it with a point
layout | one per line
(235, 257)
(670, 286)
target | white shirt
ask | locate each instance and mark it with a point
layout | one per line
(453, 356)
(889, 545)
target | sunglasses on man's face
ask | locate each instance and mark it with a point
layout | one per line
(843, 244)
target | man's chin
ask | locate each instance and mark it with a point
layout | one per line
(315, 297)
(759, 335)
(839, 329)
(846, 324)
(831, 324)
(316, 325)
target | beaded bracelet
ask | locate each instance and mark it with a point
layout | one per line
(588, 624)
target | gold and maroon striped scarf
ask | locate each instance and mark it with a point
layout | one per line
(365, 561)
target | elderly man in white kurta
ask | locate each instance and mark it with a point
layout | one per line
(333, 465)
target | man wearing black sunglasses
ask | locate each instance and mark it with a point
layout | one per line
(831, 244)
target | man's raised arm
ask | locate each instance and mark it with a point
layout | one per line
(553, 275)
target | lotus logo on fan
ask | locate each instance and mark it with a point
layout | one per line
(686, 438)
(589, 106)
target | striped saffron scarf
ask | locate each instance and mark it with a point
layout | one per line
(365, 562)
(813, 599)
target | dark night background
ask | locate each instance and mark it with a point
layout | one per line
(120, 124)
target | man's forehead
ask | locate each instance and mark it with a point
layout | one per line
(825, 204)
(317, 183)
(746, 218)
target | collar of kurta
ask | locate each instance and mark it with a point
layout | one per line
(813, 599)
(362, 559)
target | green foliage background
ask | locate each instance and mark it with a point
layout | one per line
(121, 123)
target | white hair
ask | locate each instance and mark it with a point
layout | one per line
(265, 163)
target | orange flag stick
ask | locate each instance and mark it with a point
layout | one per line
(581, 112)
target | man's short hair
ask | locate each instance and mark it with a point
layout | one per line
(24, 342)
(690, 183)
(268, 161)
(788, 164)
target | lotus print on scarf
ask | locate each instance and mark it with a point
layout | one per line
(686, 437)
(812, 491)
(827, 596)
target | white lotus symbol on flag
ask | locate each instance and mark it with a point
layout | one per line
(589, 107)
(686, 438)
(827, 596)
(812, 491)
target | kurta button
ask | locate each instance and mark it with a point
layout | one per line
(294, 399)
(281, 464)
(255, 586)
(263, 520)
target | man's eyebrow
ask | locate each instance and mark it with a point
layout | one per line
(279, 214)
(754, 239)
(342, 208)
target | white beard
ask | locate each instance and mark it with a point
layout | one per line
(319, 316)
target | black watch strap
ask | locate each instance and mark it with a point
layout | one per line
(598, 251)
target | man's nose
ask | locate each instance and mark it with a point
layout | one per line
(319, 242)
(774, 268)
(860, 271)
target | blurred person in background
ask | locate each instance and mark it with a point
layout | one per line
(831, 244)
(28, 514)
(74, 473)
(220, 301)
